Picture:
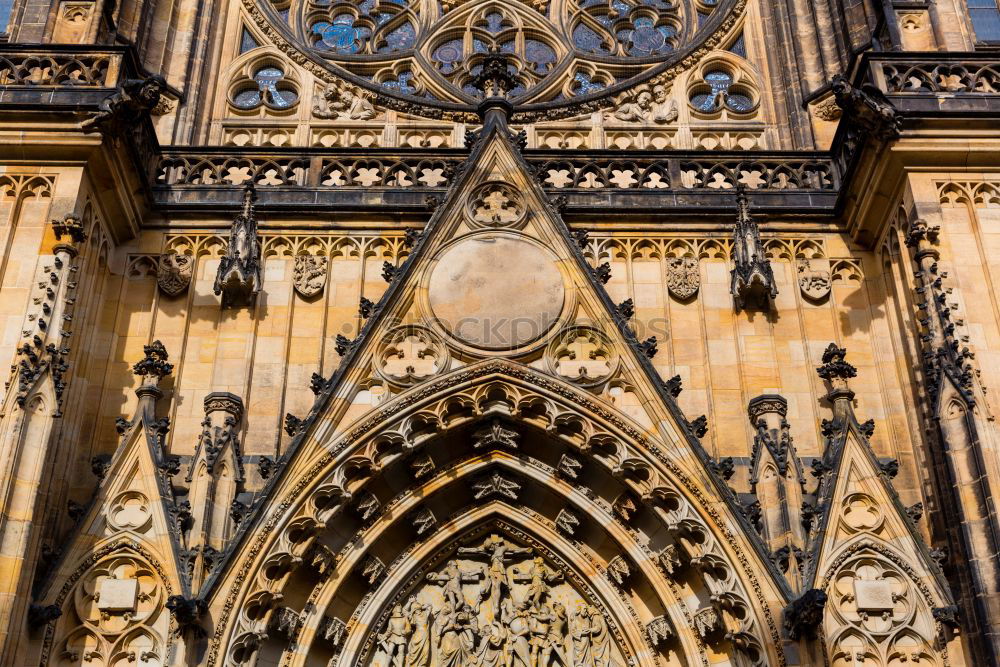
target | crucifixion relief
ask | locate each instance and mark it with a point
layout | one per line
(495, 603)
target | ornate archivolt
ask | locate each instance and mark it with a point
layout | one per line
(608, 477)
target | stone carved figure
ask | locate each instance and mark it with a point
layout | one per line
(418, 648)
(509, 613)
(458, 630)
(664, 109)
(491, 650)
(498, 551)
(644, 105)
(174, 273)
(309, 275)
(394, 639)
(683, 277)
(344, 102)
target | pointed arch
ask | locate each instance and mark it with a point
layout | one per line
(630, 484)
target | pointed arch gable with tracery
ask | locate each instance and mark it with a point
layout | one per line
(634, 481)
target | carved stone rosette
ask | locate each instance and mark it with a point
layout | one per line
(496, 204)
(583, 355)
(309, 276)
(410, 354)
(174, 273)
(683, 277)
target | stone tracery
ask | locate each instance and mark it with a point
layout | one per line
(556, 45)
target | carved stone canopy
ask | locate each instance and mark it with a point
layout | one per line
(752, 284)
(239, 278)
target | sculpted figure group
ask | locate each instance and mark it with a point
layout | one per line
(510, 620)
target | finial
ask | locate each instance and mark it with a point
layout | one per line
(495, 81)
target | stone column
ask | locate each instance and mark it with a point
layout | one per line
(953, 393)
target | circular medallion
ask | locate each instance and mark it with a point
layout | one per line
(496, 291)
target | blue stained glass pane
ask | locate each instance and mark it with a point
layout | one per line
(620, 7)
(739, 47)
(247, 99)
(738, 102)
(367, 6)
(383, 18)
(494, 22)
(586, 39)
(284, 13)
(5, 8)
(539, 55)
(479, 46)
(583, 84)
(401, 84)
(703, 102)
(507, 47)
(985, 20)
(448, 55)
(247, 42)
(282, 99)
(400, 38)
(718, 80)
(341, 35)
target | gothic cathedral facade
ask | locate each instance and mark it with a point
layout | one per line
(500, 333)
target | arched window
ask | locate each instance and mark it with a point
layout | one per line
(5, 8)
(985, 17)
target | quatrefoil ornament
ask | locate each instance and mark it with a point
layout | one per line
(496, 204)
(410, 354)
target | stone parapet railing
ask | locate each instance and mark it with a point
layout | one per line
(923, 82)
(53, 75)
(370, 177)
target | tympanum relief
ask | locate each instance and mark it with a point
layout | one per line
(494, 603)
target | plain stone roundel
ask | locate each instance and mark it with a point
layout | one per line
(496, 292)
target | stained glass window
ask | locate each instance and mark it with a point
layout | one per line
(5, 8)
(271, 89)
(247, 42)
(546, 38)
(719, 95)
(985, 17)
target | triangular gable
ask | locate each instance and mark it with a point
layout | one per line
(884, 593)
(110, 592)
(130, 505)
(497, 274)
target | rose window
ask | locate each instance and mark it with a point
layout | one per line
(560, 50)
